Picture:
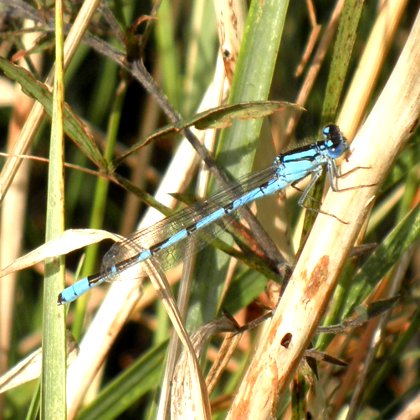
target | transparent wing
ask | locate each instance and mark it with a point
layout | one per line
(185, 218)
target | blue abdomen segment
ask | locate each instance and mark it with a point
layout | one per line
(71, 293)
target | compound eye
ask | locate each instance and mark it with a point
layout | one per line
(330, 130)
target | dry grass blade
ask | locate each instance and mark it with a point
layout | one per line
(227, 348)
(197, 401)
(13, 208)
(231, 18)
(69, 241)
(371, 63)
(304, 301)
(30, 367)
(183, 389)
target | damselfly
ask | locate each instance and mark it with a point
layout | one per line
(162, 240)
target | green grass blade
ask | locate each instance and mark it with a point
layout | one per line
(99, 203)
(384, 257)
(53, 385)
(252, 81)
(141, 377)
(343, 47)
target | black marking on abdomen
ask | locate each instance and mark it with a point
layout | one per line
(228, 208)
(157, 247)
(94, 278)
(191, 229)
(264, 186)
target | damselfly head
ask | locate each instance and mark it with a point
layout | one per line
(334, 140)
